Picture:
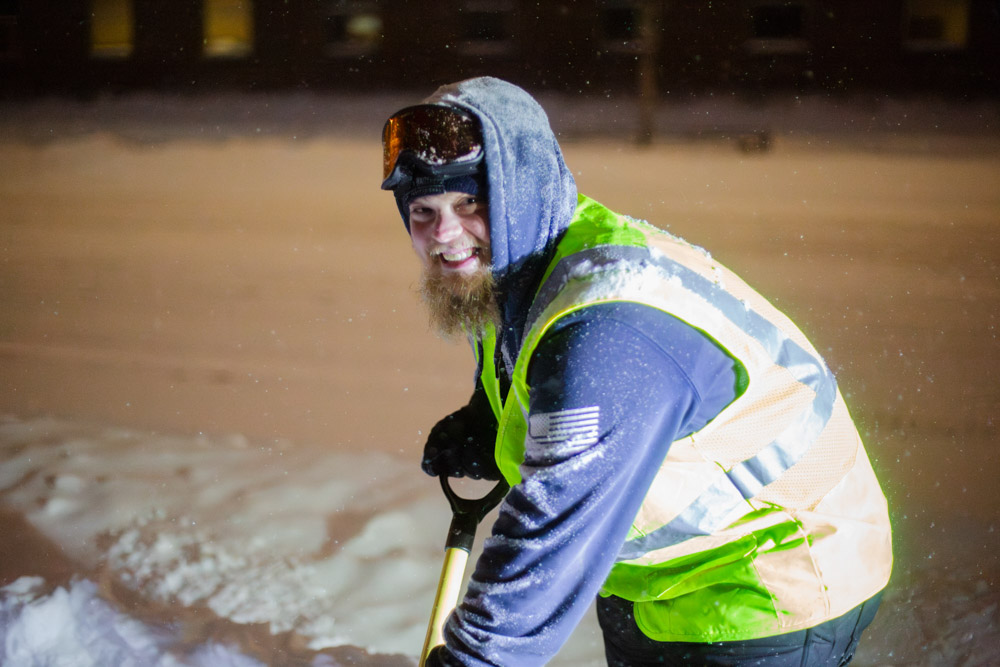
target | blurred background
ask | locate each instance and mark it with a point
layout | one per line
(591, 47)
(192, 239)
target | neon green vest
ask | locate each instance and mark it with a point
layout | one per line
(770, 518)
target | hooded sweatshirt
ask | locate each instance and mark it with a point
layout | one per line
(646, 377)
(531, 192)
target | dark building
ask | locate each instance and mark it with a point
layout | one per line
(751, 46)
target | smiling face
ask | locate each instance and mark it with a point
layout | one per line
(450, 233)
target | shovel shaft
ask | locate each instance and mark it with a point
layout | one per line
(448, 591)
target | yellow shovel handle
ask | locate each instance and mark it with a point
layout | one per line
(448, 591)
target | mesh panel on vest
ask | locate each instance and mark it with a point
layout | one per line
(823, 466)
(772, 401)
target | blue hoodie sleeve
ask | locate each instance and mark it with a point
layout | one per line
(611, 387)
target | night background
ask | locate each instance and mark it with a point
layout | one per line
(215, 374)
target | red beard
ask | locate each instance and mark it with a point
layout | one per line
(460, 302)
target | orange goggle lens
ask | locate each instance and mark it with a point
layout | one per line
(437, 136)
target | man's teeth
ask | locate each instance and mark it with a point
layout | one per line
(458, 255)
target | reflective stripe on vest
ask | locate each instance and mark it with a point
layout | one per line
(724, 500)
(776, 489)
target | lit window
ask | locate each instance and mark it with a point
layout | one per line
(936, 24)
(486, 27)
(777, 28)
(111, 28)
(228, 28)
(352, 28)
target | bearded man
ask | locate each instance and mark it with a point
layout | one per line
(674, 445)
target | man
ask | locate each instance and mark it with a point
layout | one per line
(674, 445)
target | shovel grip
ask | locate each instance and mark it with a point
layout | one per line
(468, 512)
(466, 515)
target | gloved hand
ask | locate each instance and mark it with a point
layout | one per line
(463, 443)
(435, 657)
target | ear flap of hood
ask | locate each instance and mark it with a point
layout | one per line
(532, 194)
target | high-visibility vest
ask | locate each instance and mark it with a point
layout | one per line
(770, 518)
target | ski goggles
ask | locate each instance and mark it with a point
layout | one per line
(429, 140)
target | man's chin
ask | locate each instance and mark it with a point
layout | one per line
(461, 284)
(459, 301)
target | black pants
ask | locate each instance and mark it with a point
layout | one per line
(829, 644)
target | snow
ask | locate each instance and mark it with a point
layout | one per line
(75, 627)
(214, 523)
(217, 376)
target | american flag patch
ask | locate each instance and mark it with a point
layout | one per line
(577, 428)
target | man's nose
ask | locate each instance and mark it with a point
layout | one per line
(448, 226)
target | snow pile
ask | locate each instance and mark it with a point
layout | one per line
(76, 628)
(337, 548)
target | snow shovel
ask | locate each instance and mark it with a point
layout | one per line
(466, 515)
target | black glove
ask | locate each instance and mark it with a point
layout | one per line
(434, 657)
(463, 443)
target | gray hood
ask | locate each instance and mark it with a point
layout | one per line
(532, 194)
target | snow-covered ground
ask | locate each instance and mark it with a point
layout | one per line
(331, 549)
(216, 375)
